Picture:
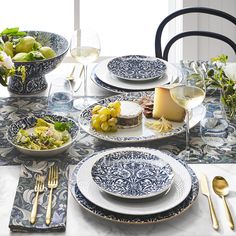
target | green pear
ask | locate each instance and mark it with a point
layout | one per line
(34, 55)
(8, 48)
(37, 46)
(20, 57)
(25, 44)
(47, 52)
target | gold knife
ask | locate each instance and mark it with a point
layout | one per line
(205, 191)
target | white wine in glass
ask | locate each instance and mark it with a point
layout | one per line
(187, 97)
(188, 94)
(85, 55)
(85, 49)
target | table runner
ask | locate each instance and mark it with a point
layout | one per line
(14, 108)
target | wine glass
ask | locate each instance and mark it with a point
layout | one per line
(189, 93)
(84, 48)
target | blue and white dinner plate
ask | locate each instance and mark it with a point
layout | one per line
(132, 218)
(132, 174)
(179, 190)
(140, 133)
(105, 86)
(136, 68)
(102, 73)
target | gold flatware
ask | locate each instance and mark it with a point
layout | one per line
(205, 191)
(52, 184)
(75, 85)
(81, 71)
(39, 187)
(221, 188)
(71, 76)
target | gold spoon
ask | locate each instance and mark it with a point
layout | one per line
(221, 188)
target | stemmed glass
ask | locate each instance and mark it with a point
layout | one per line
(189, 93)
(85, 48)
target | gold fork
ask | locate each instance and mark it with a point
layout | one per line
(75, 85)
(52, 183)
(39, 187)
(71, 76)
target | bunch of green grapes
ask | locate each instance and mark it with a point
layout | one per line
(105, 118)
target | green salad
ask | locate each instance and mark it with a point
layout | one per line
(44, 135)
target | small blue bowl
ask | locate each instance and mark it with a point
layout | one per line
(35, 81)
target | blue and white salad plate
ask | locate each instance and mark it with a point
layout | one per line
(181, 196)
(132, 174)
(136, 68)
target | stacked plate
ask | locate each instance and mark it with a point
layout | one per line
(134, 185)
(132, 174)
(134, 73)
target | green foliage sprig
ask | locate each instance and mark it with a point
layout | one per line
(7, 68)
(62, 126)
(217, 78)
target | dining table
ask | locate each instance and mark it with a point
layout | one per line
(194, 220)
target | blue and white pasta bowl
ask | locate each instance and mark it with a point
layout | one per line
(30, 122)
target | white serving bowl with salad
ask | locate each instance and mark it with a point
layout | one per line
(42, 135)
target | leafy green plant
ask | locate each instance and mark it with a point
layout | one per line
(7, 68)
(217, 78)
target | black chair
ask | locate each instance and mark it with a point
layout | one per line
(158, 48)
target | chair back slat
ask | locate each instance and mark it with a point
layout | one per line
(158, 48)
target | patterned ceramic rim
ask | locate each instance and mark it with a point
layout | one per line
(146, 161)
(108, 87)
(131, 219)
(85, 120)
(29, 121)
(136, 67)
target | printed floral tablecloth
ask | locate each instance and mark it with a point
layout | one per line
(13, 108)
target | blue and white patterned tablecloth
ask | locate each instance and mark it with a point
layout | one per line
(13, 108)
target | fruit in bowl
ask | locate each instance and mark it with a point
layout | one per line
(38, 52)
(42, 136)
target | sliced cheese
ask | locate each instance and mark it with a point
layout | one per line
(165, 106)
